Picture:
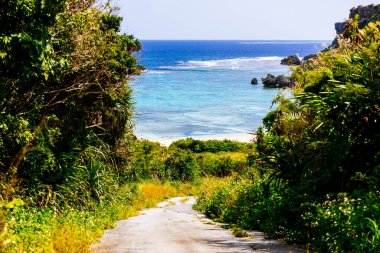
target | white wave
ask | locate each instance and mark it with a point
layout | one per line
(236, 63)
(156, 72)
(279, 42)
(178, 67)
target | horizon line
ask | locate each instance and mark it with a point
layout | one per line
(235, 39)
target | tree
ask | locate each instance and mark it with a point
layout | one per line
(64, 69)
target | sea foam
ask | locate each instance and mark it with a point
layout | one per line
(231, 64)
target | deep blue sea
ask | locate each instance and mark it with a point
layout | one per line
(195, 88)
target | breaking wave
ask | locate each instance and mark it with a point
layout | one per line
(231, 64)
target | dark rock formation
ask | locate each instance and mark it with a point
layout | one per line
(291, 60)
(339, 27)
(284, 81)
(308, 57)
(254, 81)
(369, 13)
(270, 81)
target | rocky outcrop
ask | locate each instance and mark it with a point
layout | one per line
(284, 81)
(366, 14)
(291, 60)
(254, 81)
(369, 13)
(270, 81)
(339, 27)
(308, 57)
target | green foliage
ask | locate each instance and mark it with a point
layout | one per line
(212, 146)
(318, 159)
(181, 165)
(66, 108)
(238, 232)
(65, 121)
(51, 229)
(149, 161)
(221, 165)
(345, 224)
(327, 139)
(152, 161)
(252, 204)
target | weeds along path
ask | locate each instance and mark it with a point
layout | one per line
(174, 227)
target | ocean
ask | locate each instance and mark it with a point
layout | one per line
(199, 88)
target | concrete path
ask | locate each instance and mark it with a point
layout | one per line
(174, 227)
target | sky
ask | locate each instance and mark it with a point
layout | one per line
(234, 19)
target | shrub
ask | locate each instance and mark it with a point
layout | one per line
(221, 165)
(148, 161)
(346, 224)
(181, 165)
(212, 146)
(255, 204)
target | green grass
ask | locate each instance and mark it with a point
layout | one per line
(71, 230)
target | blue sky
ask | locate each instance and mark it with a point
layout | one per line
(235, 19)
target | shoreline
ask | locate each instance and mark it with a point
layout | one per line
(166, 141)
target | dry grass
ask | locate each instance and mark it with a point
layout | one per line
(75, 231)
(153, 193)
(73, 239)
(210, 184)
(183, 201)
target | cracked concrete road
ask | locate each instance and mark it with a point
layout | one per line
(174, 227)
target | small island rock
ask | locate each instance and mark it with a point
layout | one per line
(269, 81)
(284, 81)
(291, 60)
(254, 81)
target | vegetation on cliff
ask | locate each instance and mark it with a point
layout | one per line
(317, 164)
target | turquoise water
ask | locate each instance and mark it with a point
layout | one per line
(195, 88)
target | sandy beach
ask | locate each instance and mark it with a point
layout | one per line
(166, 141)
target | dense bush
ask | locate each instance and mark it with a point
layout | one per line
(148, 161)
(346, 224)
(327, 140)
(221, 165)
(66, 109)
(63, 94)
(212, 146)
(318, 158)
(252, 204)
(153, 161)
(181, 165)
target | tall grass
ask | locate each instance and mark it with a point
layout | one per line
(50, 230)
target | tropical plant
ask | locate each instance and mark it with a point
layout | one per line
(64, 69)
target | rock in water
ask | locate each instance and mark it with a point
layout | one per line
(254, 81)
(277, 82)
(284, 81)
(269, 81)
(291, 60)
